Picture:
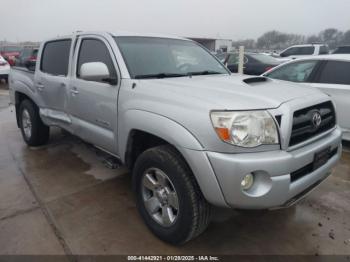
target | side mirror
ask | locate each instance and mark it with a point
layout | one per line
(95, 71)
(283, 55)
(30, 66)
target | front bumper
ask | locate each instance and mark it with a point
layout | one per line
(272, 172)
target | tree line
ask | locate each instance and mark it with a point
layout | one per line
(275, 40)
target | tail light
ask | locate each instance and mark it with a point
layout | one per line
(2, 63)
(268, 68)
(32, 58)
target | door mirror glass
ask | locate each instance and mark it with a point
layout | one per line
(30, 65)
(94, 71)
(284, 54)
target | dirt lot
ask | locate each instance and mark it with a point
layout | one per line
(62, 199)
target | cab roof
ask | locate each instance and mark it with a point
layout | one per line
(116, 34)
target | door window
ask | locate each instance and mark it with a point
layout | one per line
(305, 50)
(94, 50)
(55, 57)
(295, 72)
(335, 72)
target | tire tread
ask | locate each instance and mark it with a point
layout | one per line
(201, 208)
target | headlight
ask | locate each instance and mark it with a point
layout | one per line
(245, 128)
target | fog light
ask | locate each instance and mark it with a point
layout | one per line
(247, 181)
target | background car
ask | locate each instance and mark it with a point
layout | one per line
(10, 53)
(27, 57)
(254, 63)
(329, 73)
(298, 51)
(221, 56)
(345, 49)
(4, 69)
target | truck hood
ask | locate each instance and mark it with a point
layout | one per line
(226, 92)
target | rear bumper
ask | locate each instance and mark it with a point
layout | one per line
(4, 71)
(346, 134)
(272, 174)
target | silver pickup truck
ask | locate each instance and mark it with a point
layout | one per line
(193, 134)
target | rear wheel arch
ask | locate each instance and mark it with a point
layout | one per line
(19, 98)
(34, 131)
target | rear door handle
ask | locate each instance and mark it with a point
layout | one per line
(40, 87)
(74, 91)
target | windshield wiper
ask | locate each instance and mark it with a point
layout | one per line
(159, 75)
(205, 72)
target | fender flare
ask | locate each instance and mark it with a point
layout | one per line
(157, 125)
(179, 137)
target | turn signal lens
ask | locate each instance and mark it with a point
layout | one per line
(223, 133)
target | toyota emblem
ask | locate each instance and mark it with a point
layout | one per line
(316, 119)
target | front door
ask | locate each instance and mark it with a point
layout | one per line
(93, 104)
(333, 79)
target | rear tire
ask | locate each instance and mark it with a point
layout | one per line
(166, 167)
(34, 131)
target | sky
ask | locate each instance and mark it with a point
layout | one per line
(36, 20)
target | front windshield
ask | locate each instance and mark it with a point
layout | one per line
(150, 57)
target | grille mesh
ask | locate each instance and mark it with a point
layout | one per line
(303, 128)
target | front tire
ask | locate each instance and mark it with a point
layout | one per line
(34, 131)
(168, 196)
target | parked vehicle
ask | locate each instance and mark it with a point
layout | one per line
(254, 63)
(345, 49)
(221, 56)
(298, 51)
(27, 57)
(193, 134)
(330, 73)
(4, 69)
(10, 53)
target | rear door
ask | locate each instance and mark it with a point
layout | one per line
(333, 78)
(51, 81)
(92, 104)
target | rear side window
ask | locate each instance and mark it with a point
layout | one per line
(93, 50)
(55, 57)
(305, 50)
(295, 72)
(324, 50)
(335, 72)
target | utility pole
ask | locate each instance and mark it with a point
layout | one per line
(241, 60)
